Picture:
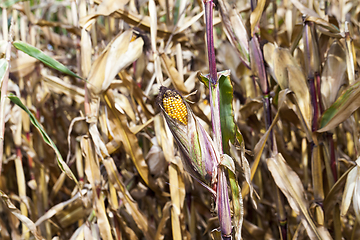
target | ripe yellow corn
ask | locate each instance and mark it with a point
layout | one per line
(199, 155)
(174, 106)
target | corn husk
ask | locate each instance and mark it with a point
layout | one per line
(199, 156)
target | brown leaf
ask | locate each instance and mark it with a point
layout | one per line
(334, 73)
(129, 203)
(256, 15)
(173, 73)
(290, 184)
(119, 127)
(30, 224)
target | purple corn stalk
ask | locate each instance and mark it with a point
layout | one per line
(222, 199)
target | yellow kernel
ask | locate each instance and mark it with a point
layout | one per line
(174, 106)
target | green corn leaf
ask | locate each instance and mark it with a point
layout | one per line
(41, 56)
(3, 67)
(204, 79)
(228, 127)
(341, 109)
(63, 166)
(176, 12)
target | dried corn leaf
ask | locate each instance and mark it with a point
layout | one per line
(173, 73)
(290, 184)
(121, 52)
(162, 224)
(105, 8)
(256, 15)
(288, 74)
(59, 86)
(23, 66)
(59, 207)
(129, 203)
(236, 33)
(175, 200)
(30, 224)
(128, 139)
(333, 75)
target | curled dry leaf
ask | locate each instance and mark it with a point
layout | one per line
(333, 75)
(352, 191)
(173, 73)
(121, 52)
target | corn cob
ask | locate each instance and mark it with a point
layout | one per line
(200, 158)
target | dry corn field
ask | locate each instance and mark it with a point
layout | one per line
(180, 119)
